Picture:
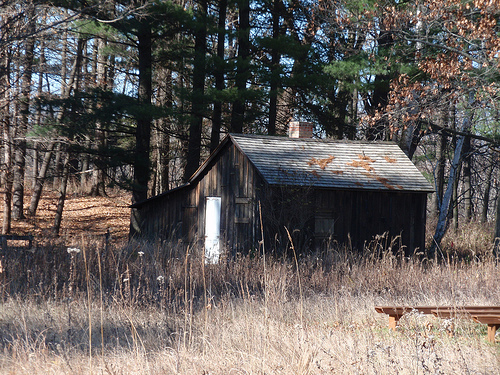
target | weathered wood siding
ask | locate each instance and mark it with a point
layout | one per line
(232, 178)
(318, 217)
(165, 216)
(358, 216)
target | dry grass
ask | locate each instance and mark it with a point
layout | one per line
(470, 239)
(161, 314)
(144, 309)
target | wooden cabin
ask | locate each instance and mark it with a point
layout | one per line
(252, 187)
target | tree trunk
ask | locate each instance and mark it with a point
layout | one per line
(380, 96)
(7, 173)
(163, 159)
(64, 63)
(410, 138)
(38, 114)
(353, 115)
(85, 160)
(143, 129)
(56, 178)
(242, 67)
(98, 185)
(20, 141)
(445, 204)
(455, 205)
(275, 68)
(219, 76)
(439, 174)
(467, 161)
(35, 163)
(162, 136)
(39, 180)
(62, 195)
(6, 135)
(198, 100)
(486, 195)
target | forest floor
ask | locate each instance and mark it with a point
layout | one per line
(82, 215)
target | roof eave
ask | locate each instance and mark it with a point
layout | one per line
(211, 157)
(359, 188)
(141, 203)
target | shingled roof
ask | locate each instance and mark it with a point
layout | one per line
(322, 163)
(330, 163)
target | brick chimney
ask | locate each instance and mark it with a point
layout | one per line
(300, 129)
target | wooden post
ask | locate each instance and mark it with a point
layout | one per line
(492, 330)
(393, 321)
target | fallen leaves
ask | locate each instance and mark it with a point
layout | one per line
(82, 215)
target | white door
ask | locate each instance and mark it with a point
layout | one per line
(212, 230)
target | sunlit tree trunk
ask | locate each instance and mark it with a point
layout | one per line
(7, 177)
(496, 247)
(98, 185)
(6, 167)
(38, 113)
(57, 167)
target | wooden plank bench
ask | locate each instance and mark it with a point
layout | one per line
(489, 315)
(4, 238)
(466, 311)
(396, 312)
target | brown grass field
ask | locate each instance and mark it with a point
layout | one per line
(148, 309)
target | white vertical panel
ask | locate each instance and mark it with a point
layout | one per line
(212, 230)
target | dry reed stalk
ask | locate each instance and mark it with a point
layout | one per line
(266, 291)
(101, 307)
(205, 304)
(186, 314)
(301, 313)
(89, 301)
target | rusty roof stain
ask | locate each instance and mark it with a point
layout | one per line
(389, 160)
(363, 163)
(322, 163)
